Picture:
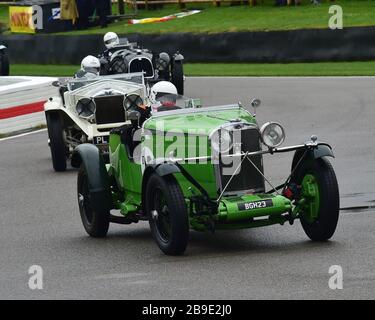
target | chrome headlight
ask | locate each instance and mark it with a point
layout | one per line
(272, 134)
(86, 108)
(133, 102)
(222, 141)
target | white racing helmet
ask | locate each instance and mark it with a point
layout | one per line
(163, 91)
(91, 64)
(111, 40)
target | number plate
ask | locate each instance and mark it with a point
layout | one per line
(255, 205)
(101, 140)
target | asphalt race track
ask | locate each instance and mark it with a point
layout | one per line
(40, 223)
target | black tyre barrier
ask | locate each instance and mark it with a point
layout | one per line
(275, 46)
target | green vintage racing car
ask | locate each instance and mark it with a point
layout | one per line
(201, 168)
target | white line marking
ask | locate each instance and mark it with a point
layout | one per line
(23, 134)
(26, 82)
(359, 212)
(116, 276)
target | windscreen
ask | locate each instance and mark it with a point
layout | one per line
(74, 84)
(168, 102)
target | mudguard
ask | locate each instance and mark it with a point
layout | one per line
(162, 169)
(2, 47)
(323, 150)
(315, 152)
(90, 156)
(165, 169)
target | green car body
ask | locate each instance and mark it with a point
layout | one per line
(176, 148)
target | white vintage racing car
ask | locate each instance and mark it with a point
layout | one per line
(87, 109)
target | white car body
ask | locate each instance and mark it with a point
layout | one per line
(108, 93)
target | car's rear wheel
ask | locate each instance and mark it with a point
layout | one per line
(95, 220)
(167, 212)
(178, 76)
(319, 202)
(4, 63)
(56, 142)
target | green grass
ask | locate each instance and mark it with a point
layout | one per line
(244, 18)
(230, 69)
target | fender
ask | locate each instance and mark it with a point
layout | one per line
(315, 152)
(90, 157)
(162, 169)
(2, 47)
(54, 104)
(165, 169)
(322, 150)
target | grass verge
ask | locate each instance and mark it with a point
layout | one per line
(363, 68)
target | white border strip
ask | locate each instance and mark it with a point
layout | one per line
(22, 135)
(26, 82)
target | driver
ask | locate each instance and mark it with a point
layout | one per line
(111, 40)
(163, 96)
(90, 67)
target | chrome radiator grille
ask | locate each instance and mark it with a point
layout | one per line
(109, 109)
(248, 178)
(142, 65)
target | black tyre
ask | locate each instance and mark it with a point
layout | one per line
(178, 76)
(95, 218)
(4, 64)
(320, 214)
(56, 142)
(167, 212)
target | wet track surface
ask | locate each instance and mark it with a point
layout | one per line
(40, 223)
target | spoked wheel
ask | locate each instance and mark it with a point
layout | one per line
(56, 141)
(319, 201)
(95, 220)
(167, 212)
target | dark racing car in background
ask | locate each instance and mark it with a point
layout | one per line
(4, 61)
(129, 57)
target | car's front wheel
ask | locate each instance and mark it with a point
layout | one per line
(56, 142)
(95, 219)
(319, 202)
(167, 212)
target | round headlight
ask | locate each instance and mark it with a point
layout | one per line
(222, 141)
(132, 102)
(86, 108)
(272, 134)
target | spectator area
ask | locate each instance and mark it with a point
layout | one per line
(222, 16)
